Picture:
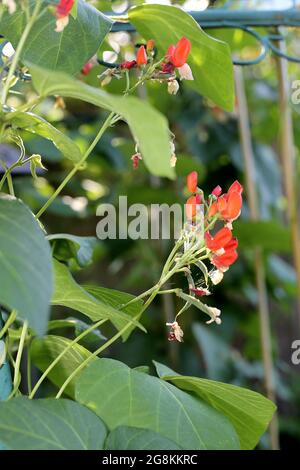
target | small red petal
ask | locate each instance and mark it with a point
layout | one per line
(141, 56)
(225, 260)
(199, 292)
(191, 206)
(63, 8)
(213, 210)
(150, 45)
(235, 187)
(220, 240)
(217, 191)
(192, 181)
(128, 64)
(87, 68)
(181, 52)
(234, 206)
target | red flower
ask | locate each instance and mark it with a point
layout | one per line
(228, 205)
(178, 54)
(224, 261)
(220, 240)
(191, 206)
(141, 56)
(229, 256)
(192, 181)
(63, 8)
(128, 64)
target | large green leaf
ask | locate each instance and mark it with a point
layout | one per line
(269, 234)
(70, 294)
(249, 412)
(44, 350)
(66, 246)
(37, 125)
(130, 438)
(49, 424)
(124, 396)
(67, 51)
(210, 59)
(116, 299)
(25, 264)
(148, 126)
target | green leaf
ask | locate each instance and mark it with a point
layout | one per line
(249, 412)
(210, 59)
(37, 125)
(49, 424)
(68, 293)
(25, 264)
(67, 51)
(130, 438)
(148, 126)
(68, 246)
(142, 401)
(44, 350)
(116, 299)
(270, 235)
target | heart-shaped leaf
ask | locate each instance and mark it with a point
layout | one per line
(37, 125)
(130, 438)
(250, 412)
(210, 59)
(139, 400)
(67, 51)
(25, 264)
(44, 350)
(68, 293)
(66, 246)
(49, 424)
(148, 126)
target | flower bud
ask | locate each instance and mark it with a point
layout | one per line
(173, 87)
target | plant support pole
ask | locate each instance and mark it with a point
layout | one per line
(263, 307)
(287, 155)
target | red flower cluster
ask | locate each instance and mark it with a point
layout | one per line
(225, 207)
(228, 206)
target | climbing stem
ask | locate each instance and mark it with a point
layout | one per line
(112, 118)
(58, 358)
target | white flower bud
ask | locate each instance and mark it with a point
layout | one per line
(173, 87)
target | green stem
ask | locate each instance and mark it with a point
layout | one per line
(9, 321)
(104, 346)
(10, 185)
(78, 165)
(29, 382)
(58, 358)
(18, 359)
(18, 52)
